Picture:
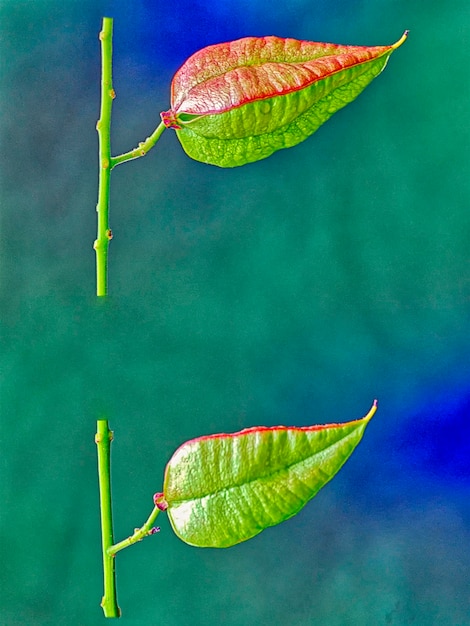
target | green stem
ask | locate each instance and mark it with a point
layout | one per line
(103, 127)
(139, 533)
(106, 161)
(142, 148)
(103, 440)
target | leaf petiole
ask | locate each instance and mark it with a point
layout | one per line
(139, 533)
(142, 148)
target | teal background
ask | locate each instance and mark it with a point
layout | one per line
(291, 291)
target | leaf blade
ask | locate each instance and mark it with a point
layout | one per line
(224, 489)
(239, 102)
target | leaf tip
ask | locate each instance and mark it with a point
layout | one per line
(402, 39)
(372, 411)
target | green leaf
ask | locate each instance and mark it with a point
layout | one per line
(237, 102)
(222, 489)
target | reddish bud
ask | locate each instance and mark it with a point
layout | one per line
(160, 502)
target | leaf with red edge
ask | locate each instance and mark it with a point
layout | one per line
(237, 102)
(222, 489)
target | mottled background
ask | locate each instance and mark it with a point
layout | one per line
(290, 291)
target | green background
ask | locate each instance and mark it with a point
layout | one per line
(291, 291)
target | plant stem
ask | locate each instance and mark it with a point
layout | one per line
(103, 127)
(142, 148)
(139, 533)
(106, 161)
(103, 440)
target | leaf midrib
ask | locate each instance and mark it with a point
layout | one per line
(266, 478)
(293, 90)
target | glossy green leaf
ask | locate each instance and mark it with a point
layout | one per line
(222, 489)
(238, 102)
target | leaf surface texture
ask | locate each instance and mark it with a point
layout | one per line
(224, 489)
(238, 102)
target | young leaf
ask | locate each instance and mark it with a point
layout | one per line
(222, 489)
(237, 102)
